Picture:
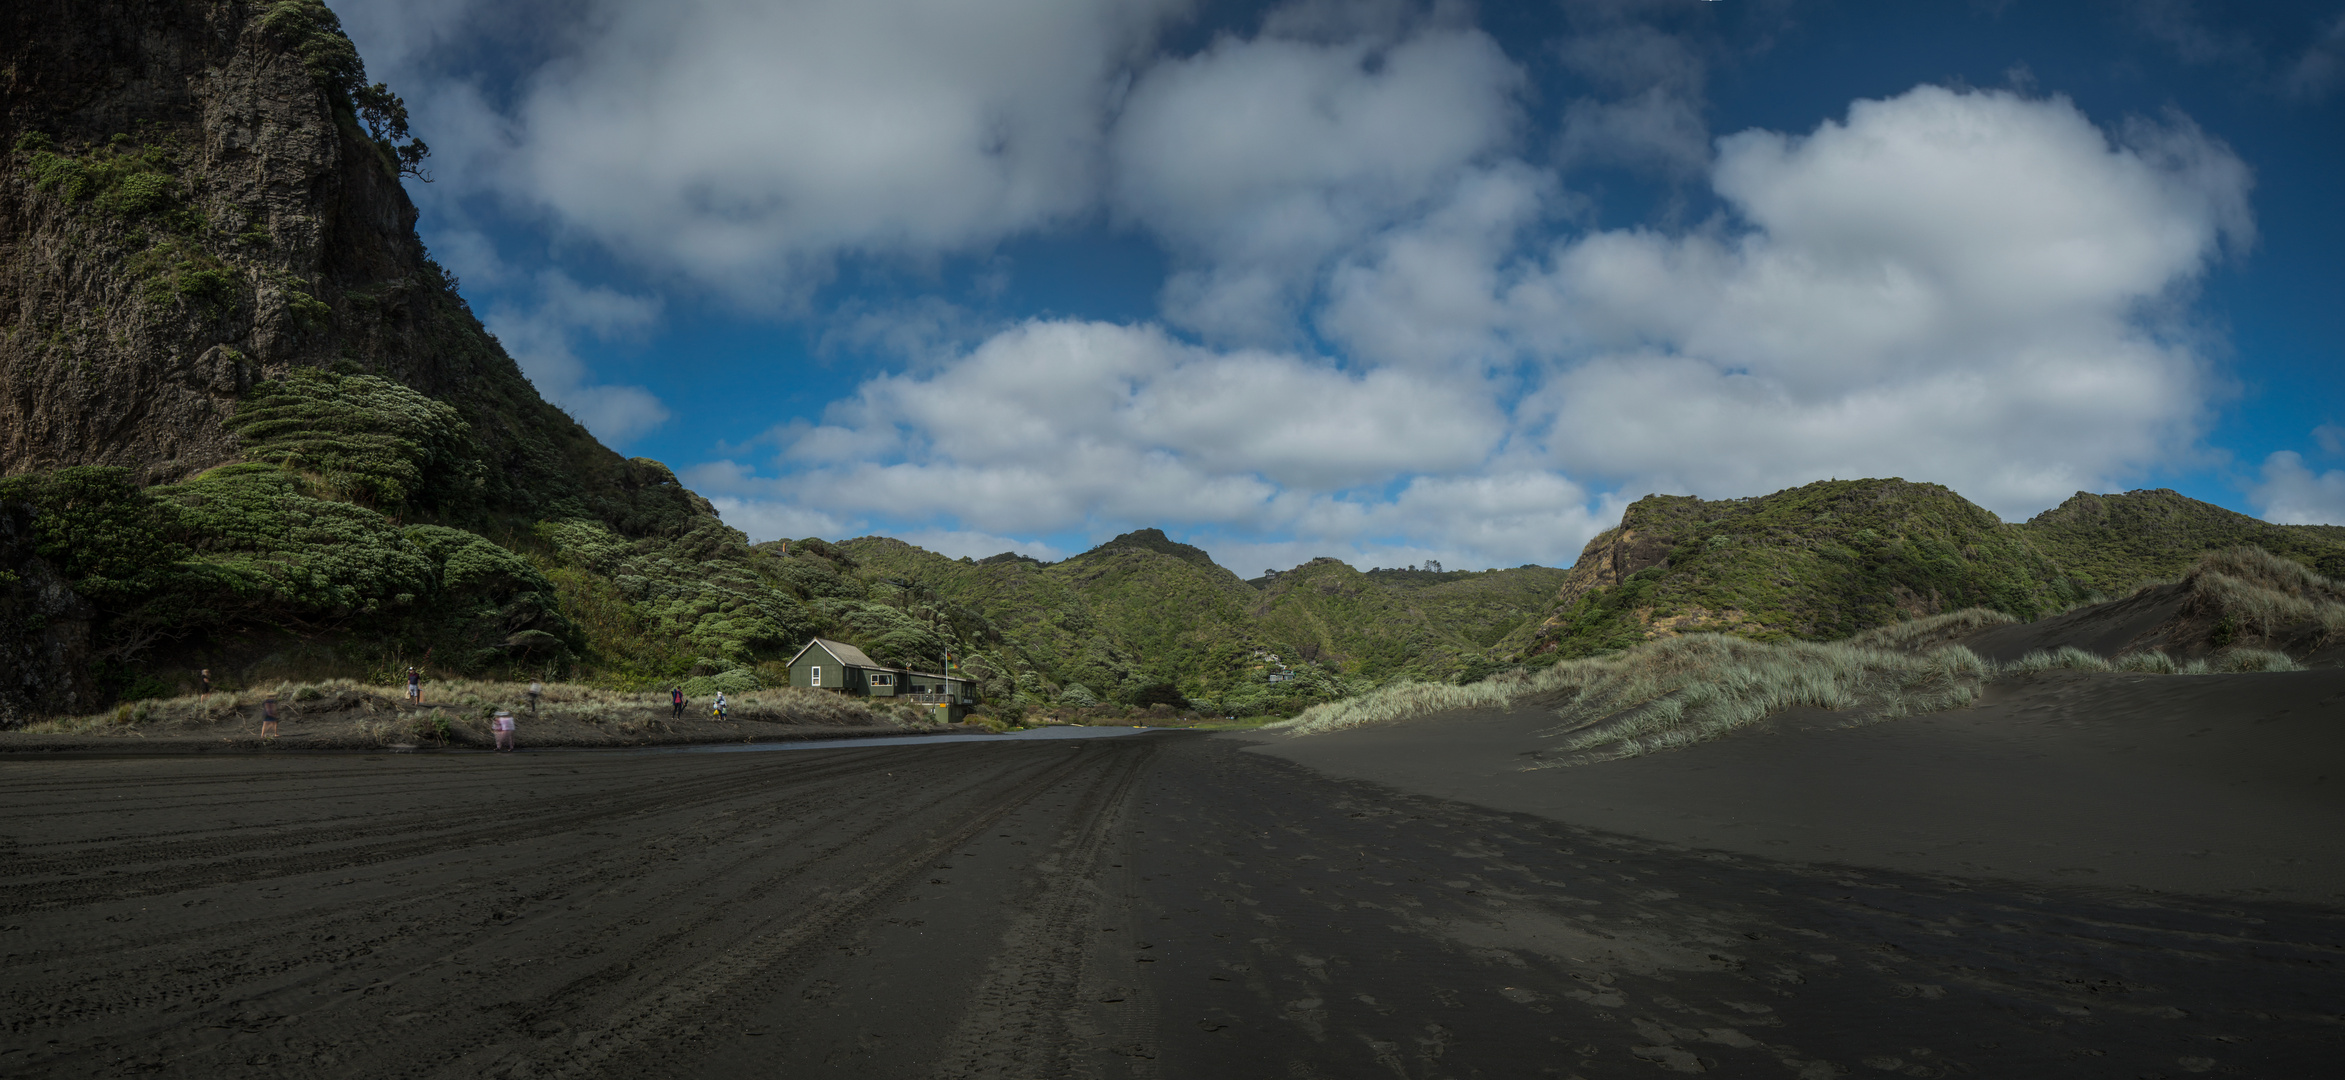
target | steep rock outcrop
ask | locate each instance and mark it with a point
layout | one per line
(188, 208)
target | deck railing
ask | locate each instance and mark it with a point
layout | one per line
(930, 699)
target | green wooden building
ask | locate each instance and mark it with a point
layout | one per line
(837, 666)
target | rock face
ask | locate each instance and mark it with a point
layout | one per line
(44, 630)
(201, 221)
(188, 208)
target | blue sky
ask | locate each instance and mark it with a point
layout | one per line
(1396, 281)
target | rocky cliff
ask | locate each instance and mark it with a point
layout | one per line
(191, 205)
(247, 423)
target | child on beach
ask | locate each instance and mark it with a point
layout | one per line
(503, 726)
(269, 717)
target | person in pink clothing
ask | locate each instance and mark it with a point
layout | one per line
(503, 726)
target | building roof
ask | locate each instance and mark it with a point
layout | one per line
(853, 657)
(847, 654)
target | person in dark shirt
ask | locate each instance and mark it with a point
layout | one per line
(269, 717)
(676, 702)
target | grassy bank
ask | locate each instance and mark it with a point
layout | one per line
(348, 714)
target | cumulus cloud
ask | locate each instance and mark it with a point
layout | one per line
(2291, 493)
(541, 333)
(1973, 287)
(1069, 426)
(1260, 159)
(771, 519)
(744, 143)
(1961, 287)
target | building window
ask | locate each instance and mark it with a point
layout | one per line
(882, 680)
(817, 680)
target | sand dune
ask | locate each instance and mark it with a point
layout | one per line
(2216, 784)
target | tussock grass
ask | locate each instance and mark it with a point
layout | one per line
(1679, 691)
(1687, 689)
(2066, 657)
(1914, 635)
(2245, 660)
(453, 707)
(2262, 594)
(1403, 700)
(1693, 689)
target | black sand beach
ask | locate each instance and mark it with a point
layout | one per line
(1166, 904)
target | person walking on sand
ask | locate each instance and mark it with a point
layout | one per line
(535, 688)
(503, 726)
(203, 689)
(414, 687)
(718, 710)
(676, 701)
(269, 717)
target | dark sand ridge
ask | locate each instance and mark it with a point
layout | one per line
(2230, 785)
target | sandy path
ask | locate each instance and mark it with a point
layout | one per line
(1155, 905)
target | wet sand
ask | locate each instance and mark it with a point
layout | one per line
(1163, 904)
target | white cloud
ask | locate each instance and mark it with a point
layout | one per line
(1975, 288)
(1056, 425)
(1258, 160)
(1050, 392)
(1958, 287)
(770, 519)
(963, 544)
(541, 335)
(745, 143)
(2291, 493)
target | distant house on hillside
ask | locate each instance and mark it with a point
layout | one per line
(835, 665)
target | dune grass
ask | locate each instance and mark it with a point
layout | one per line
(1687, 689)
(2252, 592)
(1683, 690)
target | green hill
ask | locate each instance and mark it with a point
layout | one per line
(2113, 542)
(1141, 614)
(1829, 559)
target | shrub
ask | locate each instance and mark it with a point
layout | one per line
(362, 438)
(2241, 660)
(2065, 657)
(2153, 662)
